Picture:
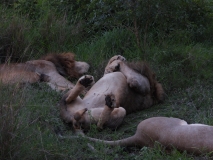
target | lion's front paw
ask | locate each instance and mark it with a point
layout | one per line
(110, 101)
(113, 67)
(119, 57)
(86, 81)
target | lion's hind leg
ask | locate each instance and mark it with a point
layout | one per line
(83, 83)
(112, 115)
(135, 80)
(116, 118)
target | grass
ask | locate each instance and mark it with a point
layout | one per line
(29, 115)
(28, 121)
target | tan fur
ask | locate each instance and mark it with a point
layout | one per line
(49, 68)
(170, 132)
(107, 111)
(77, 89)
(15, 73)
(110, 117)
(113, 64)
(56, 81)
(117, 81)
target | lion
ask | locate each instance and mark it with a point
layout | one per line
(52, 69)
(133, 85)
(169, 132)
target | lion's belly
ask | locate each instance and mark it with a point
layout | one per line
(114, 83)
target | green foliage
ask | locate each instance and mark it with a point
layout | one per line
(13, 41)
(42, 26)
(159, 18)
(181, 65)
(28, 8)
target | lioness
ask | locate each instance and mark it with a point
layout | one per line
(170, 132)
(50, 68)
(133, 85)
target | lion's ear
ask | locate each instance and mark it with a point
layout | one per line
(78, 115)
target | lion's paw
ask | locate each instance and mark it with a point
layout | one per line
(110, 101)
(113, 67)
(87, 81)
(117, 57)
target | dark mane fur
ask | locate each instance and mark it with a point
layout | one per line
(64, 62)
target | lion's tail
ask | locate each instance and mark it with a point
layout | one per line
(64, 62)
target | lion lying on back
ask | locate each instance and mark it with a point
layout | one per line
(169, 132)
(50, 68)
(133, 85)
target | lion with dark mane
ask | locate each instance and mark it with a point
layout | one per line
(50, 68)
(133, 85)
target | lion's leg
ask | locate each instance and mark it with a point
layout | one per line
(116, 118)
(111, 118)
(136, 81)
(113, 67)
(83, 82)
(111, 112)
(116, 57)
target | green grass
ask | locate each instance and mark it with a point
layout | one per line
(34, 115)
(29, 115)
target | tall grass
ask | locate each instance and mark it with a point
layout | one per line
(22, 39)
